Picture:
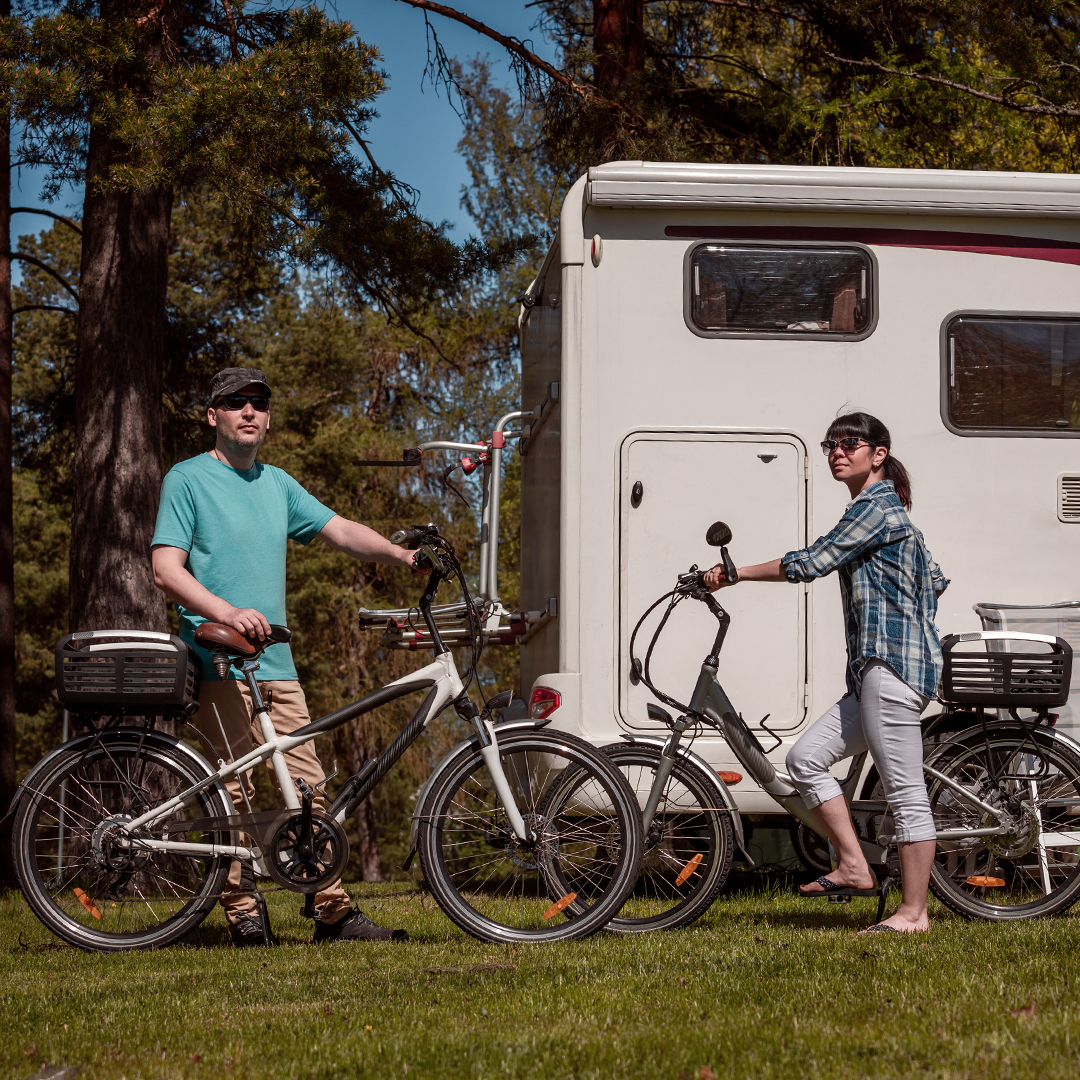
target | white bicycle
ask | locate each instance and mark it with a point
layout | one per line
(123, 837)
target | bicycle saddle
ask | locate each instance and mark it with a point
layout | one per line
(219, 638)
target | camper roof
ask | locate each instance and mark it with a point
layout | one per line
(646, 184)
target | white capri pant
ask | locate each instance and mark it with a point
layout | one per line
(885, 721)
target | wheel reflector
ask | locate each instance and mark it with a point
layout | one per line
(559, 905)
(729, 777)
(93, 908)
(688, 869)
(986, 882)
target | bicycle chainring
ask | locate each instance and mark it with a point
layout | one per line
(306, 868)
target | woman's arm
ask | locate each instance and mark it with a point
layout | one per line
(766, 571)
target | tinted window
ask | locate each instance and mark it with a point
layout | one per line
(1014, 373)
(780, 290)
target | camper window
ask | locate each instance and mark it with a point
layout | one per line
(794, 290)
(1013, 374)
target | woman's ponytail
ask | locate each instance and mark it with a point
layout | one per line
(870, 429)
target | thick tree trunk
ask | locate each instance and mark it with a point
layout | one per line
(7, 533)
(619, 44)
(118, 388)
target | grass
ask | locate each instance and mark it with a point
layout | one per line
(765, 986)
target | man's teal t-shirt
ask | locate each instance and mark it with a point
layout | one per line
(235, 527)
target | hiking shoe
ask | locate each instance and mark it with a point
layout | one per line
(248, 930)
(356, 926)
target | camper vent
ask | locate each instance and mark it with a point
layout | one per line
(1069, 497)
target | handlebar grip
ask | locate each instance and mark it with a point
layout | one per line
(414, 537)
(730, 572)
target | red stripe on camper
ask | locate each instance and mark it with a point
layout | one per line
(1018, 247)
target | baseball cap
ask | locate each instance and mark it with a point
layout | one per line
(231, 379)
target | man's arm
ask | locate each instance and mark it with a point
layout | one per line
(174, 578)
(363, 543)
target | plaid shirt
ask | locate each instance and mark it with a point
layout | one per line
(888, 583)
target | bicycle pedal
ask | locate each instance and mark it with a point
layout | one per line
(839, 899)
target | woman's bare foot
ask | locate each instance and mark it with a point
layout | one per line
(844, 877)
(899, 923)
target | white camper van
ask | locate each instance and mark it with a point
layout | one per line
(691, 334)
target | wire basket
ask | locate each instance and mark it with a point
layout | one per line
(997, 677)
(126, 671)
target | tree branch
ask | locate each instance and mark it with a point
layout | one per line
(997, 99)
(44, 266)
(511, 44)
(43, 307)
(47, 213)
(762, 9)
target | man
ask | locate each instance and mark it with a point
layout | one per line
(219, 552)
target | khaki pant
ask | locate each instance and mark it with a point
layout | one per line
(289, 712)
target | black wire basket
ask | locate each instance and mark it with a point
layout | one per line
(126, 672)
(995, 677)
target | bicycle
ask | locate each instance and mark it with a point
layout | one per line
(1005, 792)
(123, 837)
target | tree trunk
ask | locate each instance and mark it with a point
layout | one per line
(619, 44)
(119, 355)
(7, 538)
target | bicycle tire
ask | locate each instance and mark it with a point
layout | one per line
(133, 899)
(688, 824)
(498, 889)
(1002, 878)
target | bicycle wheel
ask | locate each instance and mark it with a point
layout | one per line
(500, 889)
(80, 878)
(687, 850)
(1032, 871)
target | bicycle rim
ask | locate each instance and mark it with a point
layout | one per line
(1035, 870)
(568, 883)
(87, 886)
(687, 850)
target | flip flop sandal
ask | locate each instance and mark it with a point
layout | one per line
(881, 928)
(830, 888)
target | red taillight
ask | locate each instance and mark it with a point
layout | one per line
(543, 703)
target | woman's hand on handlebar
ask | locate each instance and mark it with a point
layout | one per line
(774, 570)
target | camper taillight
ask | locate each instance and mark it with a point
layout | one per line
(543, 703)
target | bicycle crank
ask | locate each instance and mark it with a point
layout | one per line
(307, 851)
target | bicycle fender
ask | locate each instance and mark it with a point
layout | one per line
(120, 735)
(422, 794)
(718, 785)
(1010, 725)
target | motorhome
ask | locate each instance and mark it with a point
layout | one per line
(691, 334)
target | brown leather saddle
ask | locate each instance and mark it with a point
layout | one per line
(224, 640)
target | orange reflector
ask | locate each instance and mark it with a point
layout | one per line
(729, 777)
(559, 905)
(93, 908)
(688, 869)
(986, 882)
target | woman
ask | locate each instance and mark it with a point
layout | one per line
(889, 585)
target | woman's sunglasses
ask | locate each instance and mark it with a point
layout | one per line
(232, 402)
(829, 445)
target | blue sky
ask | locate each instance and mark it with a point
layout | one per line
(417, 131)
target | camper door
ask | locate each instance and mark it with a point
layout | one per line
(674, 484)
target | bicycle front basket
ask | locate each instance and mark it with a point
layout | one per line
(997, 677)
(126, 671)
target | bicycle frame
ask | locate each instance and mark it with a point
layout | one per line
(443, 683)
(710, 700)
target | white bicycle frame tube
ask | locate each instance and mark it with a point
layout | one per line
(441, 673)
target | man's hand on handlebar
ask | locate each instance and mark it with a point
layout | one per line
(716, 578)
(247, 621)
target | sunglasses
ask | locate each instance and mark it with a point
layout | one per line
(232, 402)
(829, 445)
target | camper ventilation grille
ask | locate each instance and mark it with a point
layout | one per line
(1069, 497)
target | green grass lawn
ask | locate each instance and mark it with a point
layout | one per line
(764, 986)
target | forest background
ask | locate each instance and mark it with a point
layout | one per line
(960, 85)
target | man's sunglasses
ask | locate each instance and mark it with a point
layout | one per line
(232, 402)
(829, 445)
